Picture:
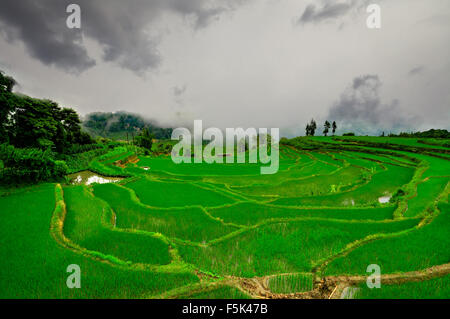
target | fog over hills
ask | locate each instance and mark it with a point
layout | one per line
(238, 63)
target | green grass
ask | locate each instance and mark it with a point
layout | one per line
(427, 192)
(393, 140)
(191, 224)
(285, 284)
(33, 265)
(438, 166)
(303, 167)
(315, 185)
(252, 213)
(420, 249)
(437, 288)
(165, 164)
(380, 184)
(173, 194)
(89, 223)
(283, 247)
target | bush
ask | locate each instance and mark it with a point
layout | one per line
(349, 134)
(399, 193)
(77, 148)
(60, 169)
(29, 165)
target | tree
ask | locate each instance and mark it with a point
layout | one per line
(145, 139)
(6, 82)
(29, 122)
(326, 126)
(312, 127)
(308, 129)
(334, 126)
(8, 101)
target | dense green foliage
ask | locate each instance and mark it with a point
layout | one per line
(122, 125)
(144, 139)
(426, 134)
(33, 133)
(29, 165)
(28, 122)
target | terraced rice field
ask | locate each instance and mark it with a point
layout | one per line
(225, 231)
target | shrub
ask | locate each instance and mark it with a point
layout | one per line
(29, 165)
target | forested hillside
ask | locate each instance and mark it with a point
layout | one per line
(42, 141)
(36, 136)
(121, 125)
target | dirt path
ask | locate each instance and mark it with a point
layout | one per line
(331, 287)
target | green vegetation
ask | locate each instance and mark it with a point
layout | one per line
(121, 125)
(336, 205)
(176, 194)
(438, 288)
(285, 284)
(191, 224)
(319, 215)
(172, 220)
(282, 247)
(89, 223)
(427, 190)
(250, 213)
(415, 250)
(35, 136)
(39, 270)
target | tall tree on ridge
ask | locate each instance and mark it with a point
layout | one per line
(312, 127)
(326, 126)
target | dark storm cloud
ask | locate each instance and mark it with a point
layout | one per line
(312, 14)
(202, 11)
(329, 10)
(416, 71)
(360, 109)
(41, 27)
(120, 27)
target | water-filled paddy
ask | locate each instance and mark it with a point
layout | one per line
(88, 178)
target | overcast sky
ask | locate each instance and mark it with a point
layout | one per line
(249, 63)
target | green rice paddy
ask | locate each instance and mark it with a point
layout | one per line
(166, 230)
